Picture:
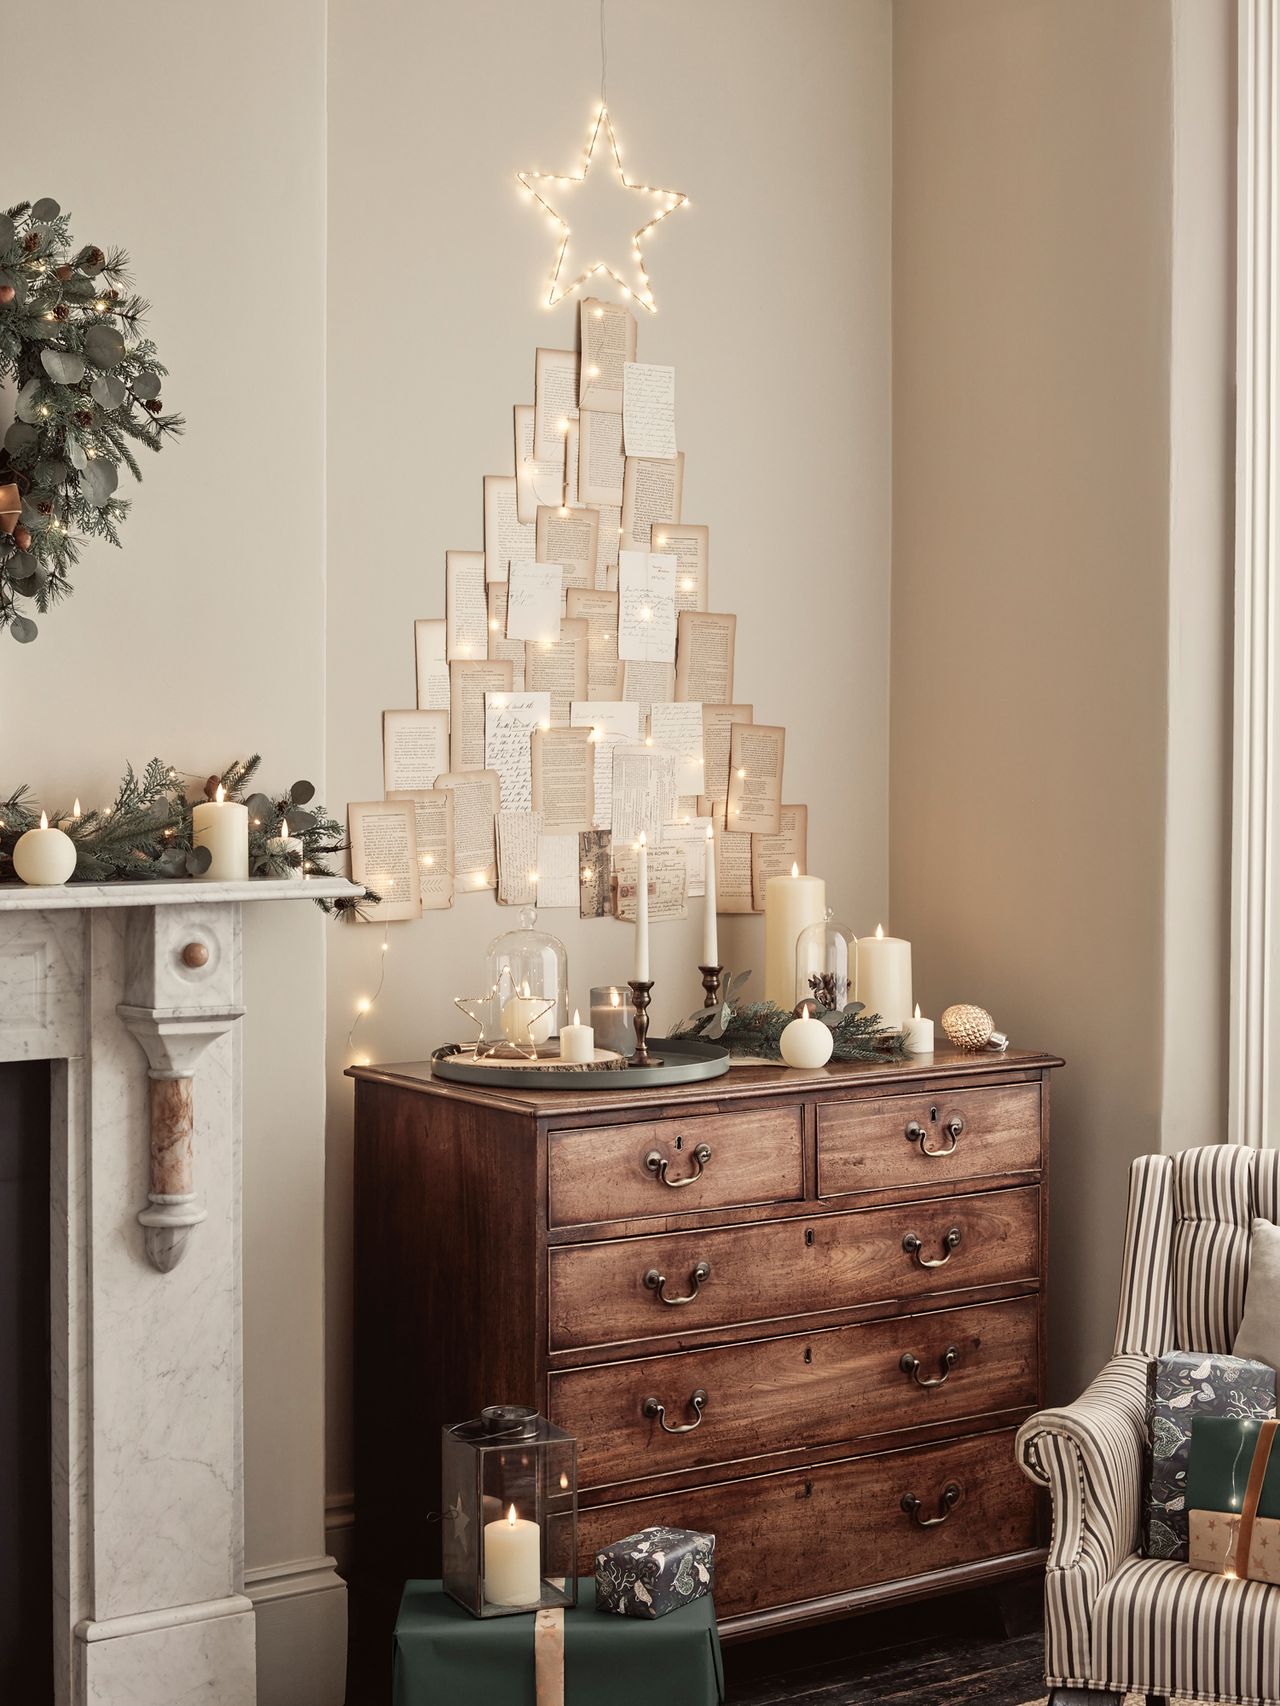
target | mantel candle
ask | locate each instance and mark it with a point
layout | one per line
(512, 1561)
(710, 941)
(282, 844)
(884, 976)
(44, 857)
(222, 825)
(790, 905)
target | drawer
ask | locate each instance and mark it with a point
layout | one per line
(925, 1138)
(802, 1391)
(781, 1539)
(684, 1282)
(675, 1166)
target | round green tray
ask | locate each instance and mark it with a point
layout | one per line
(685, 1060)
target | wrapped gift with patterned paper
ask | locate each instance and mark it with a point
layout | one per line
(1185, 1385)
(1233, 1498)
(655, 1571)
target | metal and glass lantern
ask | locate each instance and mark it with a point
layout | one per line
(826, 966)
(530, 969)
(510, 1488)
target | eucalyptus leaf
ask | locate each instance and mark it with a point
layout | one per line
(264, 809)
(45, 209)
(75, 454)
(199, 860)
(51, 472)
(19, 437)
(23, 630)
(100, 480)
(31, 586)
(146, 384)
(298, 822)
(27, 408)
(21, 566)
(302, 792)
(852, 1007)
(6, 231)
(63, 366)
(104, 346)
(107, 391)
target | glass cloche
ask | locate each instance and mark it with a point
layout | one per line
(826, 965)
(530, 970)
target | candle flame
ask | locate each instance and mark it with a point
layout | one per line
(524, 987)
(917, 1009)
(75, 810)
(795, 869)
(283, 832)
(44, 820)
(577, 1017)
(511, 1517)
(642, 838)
(221, 794)
(879, 932)
(615, 999)
(711, 834)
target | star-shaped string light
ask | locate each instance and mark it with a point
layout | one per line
(553, 191)
(509, 1021)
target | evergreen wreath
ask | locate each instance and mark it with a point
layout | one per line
(88, 392)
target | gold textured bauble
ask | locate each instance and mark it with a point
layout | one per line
(967, 1026)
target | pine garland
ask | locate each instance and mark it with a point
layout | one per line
(754, 1028)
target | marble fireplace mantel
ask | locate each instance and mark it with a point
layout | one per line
(133, 992)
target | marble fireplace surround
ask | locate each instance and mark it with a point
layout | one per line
(133, 992)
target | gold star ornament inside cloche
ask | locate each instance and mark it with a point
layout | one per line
(600, 219)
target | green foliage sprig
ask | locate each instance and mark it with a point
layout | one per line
(754, 1028)
(89, 387)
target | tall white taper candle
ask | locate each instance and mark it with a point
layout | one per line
(641, 972)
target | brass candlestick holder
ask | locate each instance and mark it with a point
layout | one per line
(641, 995)
(711, 976)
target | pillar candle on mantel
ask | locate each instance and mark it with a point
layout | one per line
(222, 825)
(791, 904)
(884, 976)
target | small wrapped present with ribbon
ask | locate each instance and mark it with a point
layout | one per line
(1233, 1498)
(654, 1572)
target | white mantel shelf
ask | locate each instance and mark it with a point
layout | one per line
(70, 897)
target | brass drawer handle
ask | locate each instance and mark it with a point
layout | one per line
(657, 1165)
(913, 1246)
(912, 1365)
(916, 1133)
(951, 1496)
(657, 1282)
(651, 1408)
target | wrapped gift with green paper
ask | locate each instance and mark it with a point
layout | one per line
(446, 1657)
(1233, 1498)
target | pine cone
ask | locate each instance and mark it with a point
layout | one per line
(63, 273)
(62, 312)
(31, 242)
(153, 404)
(84, 417)
(92, 257)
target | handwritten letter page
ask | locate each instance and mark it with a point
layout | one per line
(533, 603)
(509, 722)
(611, 723)
(647, 607)
(517, 839)
(649, 410)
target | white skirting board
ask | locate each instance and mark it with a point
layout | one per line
(301, 1621)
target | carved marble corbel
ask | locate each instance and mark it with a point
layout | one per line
(173, 1044)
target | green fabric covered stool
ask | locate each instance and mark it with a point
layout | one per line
(446, 1657)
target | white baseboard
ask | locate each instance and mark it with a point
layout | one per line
(301, 1615)
(339, 1530)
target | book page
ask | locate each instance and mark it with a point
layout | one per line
(733, 872)
(432, 667)
(652, 490)
(677, 729)
(595, 876)
(646, 607)
(509, 722)
(647, 684)
(563, 779)
(384, 857)
(755, 778)
(568, 537)
(466, 612)
(501, 649)
(611, 723)
(704, 656)
(717, 722)
(533, 603)
(468, 684)
(644, 794)
(536, 482)
(505, 538)
(557, 870)
(607, 338)
(600, 460)
(572, 497)
(559, 667)
(475, 806)
(690, 835)
(415, 749)
(555, 401)
(600, 612)
(667, 884)
(649, 410)
(433, 834)
(774, 855)
(690, 544)
(517, 840)
(608, 546)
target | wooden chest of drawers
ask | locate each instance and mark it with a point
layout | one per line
(803, 1310)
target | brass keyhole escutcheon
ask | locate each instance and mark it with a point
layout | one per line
(808, 1236)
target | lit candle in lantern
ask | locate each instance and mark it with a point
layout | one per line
(512, 1560)
(222, 825)
(577, 1041)
(528, 1019)
(613, 1020)
(44, 857)
(790, 905)
(641, 972)
(884, 976)
(710, 941)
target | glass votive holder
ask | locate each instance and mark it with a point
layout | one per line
(613, 1018)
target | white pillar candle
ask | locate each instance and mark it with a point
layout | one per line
(790, 904)
(222, 825)
(577, 1041)
(806, 1042)
(884, 976)
(710, 941)
(44, 856)
(918, 1034)
(528, 1019)
(641, 972)
(613, 1020)
(512, 1561)
(282, 844)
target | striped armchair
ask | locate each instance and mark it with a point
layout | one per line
(1115, 1621)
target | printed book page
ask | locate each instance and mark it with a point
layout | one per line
(607, 337)
(536, 482)
(559, 667)
(431, 664)
(652, 490)
(563, 780)
(600, 612)
(469, 682)
(755, 778)
(384, 857)
(505, 539)
(733, 872)
(466, 610)
(690, 544)
(774, 855)
(568, 537)
(555, 401)
(501, 649)
(600, 459)
(415, 749)
(475, 806)
(433, 834)
(717, 723)
(647, 684)
(705, 644)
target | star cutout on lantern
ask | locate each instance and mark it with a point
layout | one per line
(606, 214)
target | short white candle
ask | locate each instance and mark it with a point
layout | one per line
(528, 1019)
(790, 904)
(577, 1041)
(918, 1034)
(512, 1561)
(613, 1020)
(884, 976)
(710, 941)
(641, 972)
(806, 1042)
(222, 825)
(282, 844)
(44, 856)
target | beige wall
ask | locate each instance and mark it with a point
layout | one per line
(1056, 810)
(774, 307)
